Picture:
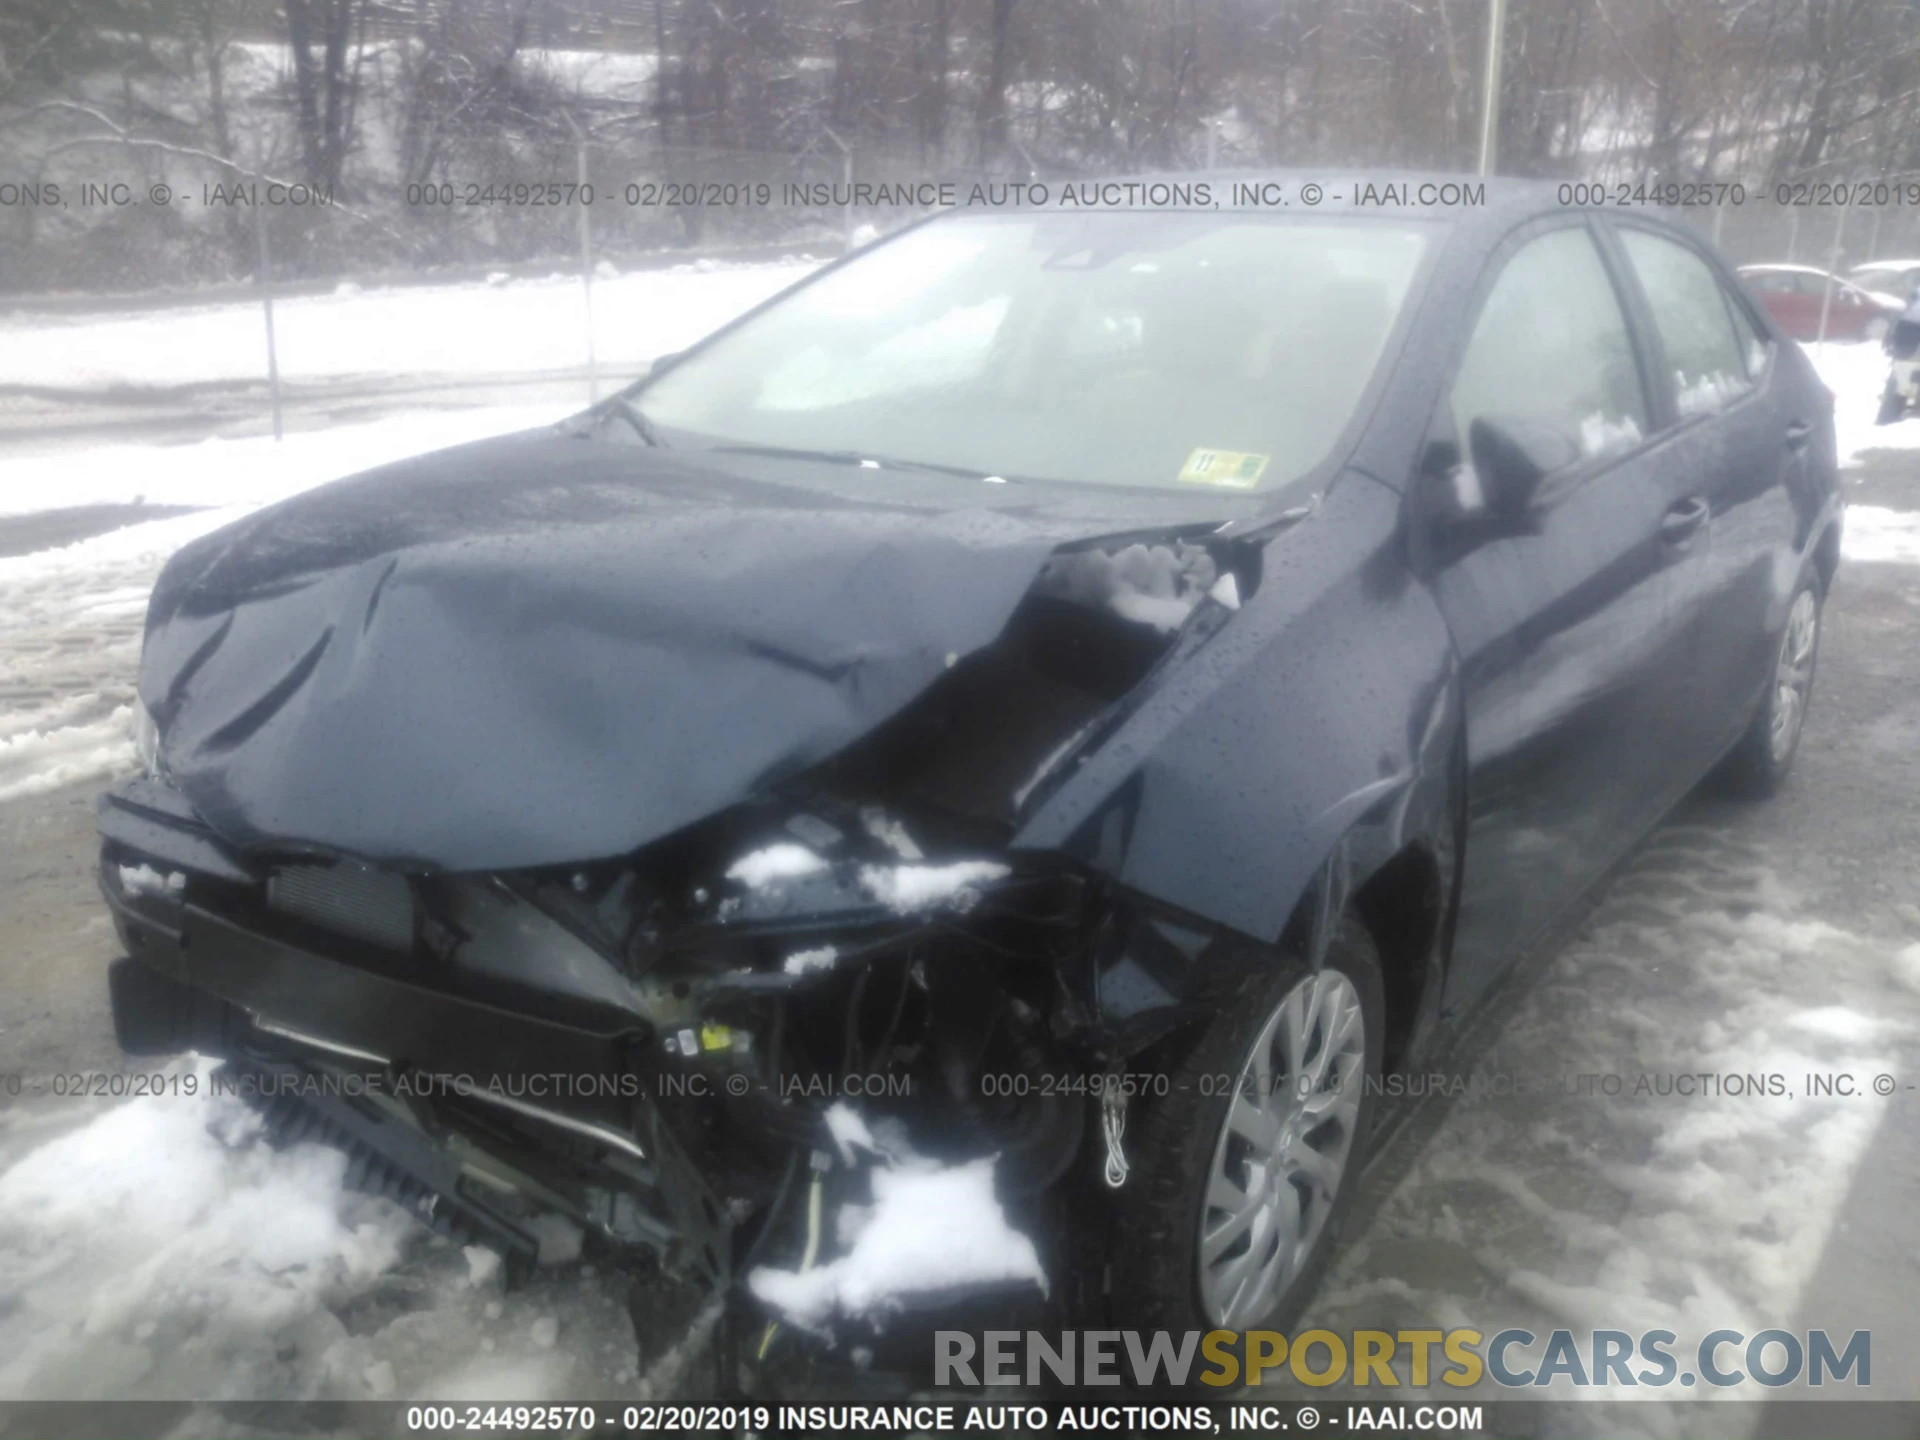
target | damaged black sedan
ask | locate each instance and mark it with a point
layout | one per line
(963, 784)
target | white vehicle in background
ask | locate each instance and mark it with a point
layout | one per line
(1899, 278)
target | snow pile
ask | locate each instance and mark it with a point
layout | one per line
(850, 1131)
(1873, 532)
(160, 1249)
(1600, 435)
(928, 1230)
(1857, 375)
(785, 861)
(802, 962)
(1155, 585)
(911, 888)
(1708, 393)
(171, 1209)
(41, 760)
(143, 879)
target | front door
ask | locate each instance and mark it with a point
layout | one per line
(1565, 624)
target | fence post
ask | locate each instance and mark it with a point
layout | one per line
(846, 179)
(586, 263)
(1833, 268)
(264, 279)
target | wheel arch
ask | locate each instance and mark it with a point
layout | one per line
(1826, 554)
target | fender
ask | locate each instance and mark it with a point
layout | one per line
(1323, 716)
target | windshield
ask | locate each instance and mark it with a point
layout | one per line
(1166, 350)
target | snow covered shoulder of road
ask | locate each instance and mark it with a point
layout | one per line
(511, 327)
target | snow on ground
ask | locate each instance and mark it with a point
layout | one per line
(1857, 375)
(1682, 1204)
(516, 327)
(161, 1249)
(71, 618)
(1873, 532)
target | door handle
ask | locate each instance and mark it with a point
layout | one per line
(1680, 522)
(1798, 433)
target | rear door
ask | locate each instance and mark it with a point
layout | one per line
(1737, 443)
(1566, 626)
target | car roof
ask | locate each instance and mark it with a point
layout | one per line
(1503, 201)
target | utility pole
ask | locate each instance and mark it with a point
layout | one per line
(1490, 94)
(1833, 269)
(264, 280)
(586, 250)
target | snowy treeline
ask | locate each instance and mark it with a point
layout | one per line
(369, 100)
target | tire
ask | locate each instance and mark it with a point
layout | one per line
(1158, 1279)
(1760, 761)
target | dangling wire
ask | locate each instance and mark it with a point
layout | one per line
(1113, 1123)
(812, 1250)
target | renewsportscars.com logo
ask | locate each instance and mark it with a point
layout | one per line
(1512, 1358)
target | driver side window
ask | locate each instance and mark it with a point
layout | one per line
(1551, 347)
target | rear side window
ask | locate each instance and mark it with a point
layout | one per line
(1709, 368)
(1551, 346)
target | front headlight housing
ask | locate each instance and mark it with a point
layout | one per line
(146, 741)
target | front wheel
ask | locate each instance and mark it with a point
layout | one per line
(1246, 1168)
(1765, 753)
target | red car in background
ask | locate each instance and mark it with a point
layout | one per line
(1793, 296)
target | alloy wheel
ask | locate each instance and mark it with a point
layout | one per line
(1283, 1149)
(1793, 676)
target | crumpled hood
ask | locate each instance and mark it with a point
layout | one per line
(542, 649)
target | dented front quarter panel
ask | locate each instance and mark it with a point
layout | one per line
(1324, 715)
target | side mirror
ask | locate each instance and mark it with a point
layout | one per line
(1511, 456)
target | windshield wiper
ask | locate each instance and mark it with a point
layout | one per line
(858, 457)
(635, 417)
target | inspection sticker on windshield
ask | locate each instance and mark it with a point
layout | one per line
(1233, 469)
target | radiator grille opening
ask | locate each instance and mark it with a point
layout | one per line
(357, 900)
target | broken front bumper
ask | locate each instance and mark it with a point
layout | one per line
(475, 1109)
(478, 1099)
